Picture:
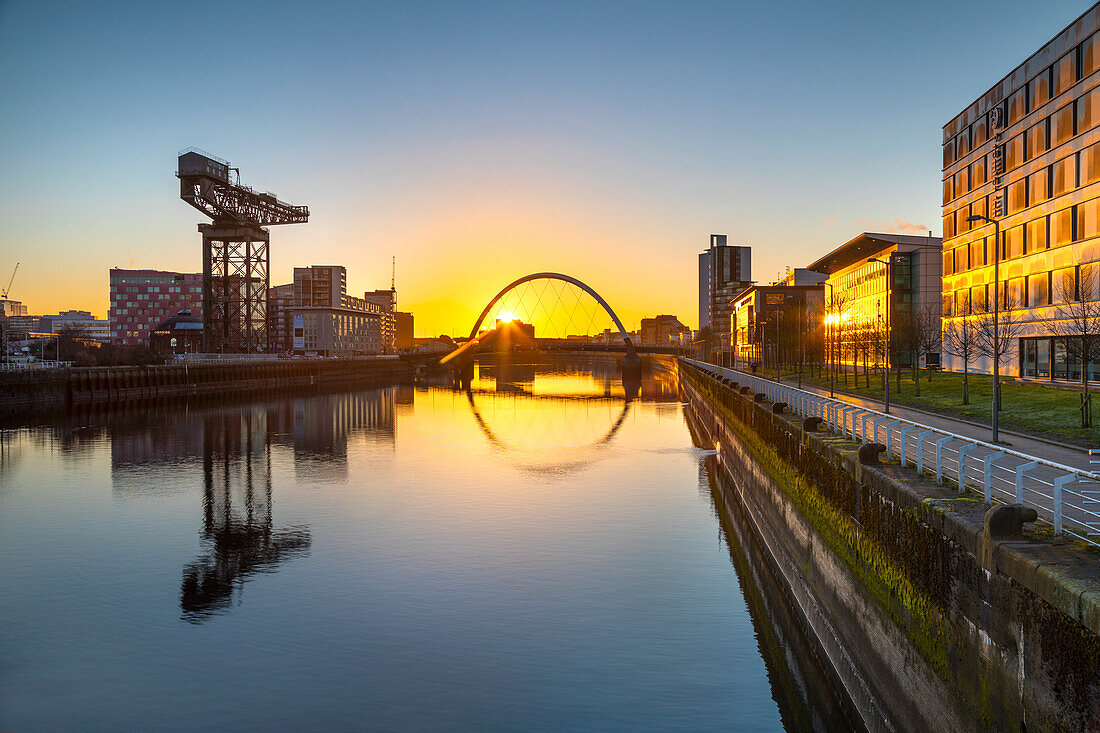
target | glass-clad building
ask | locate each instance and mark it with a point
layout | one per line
(1027, 155)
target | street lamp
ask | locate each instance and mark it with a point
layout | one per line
(996, 316)
(889, 262)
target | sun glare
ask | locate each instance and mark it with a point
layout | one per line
(506, 315)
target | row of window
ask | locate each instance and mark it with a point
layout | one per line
(1075, 65)
(1072, 224)
(1055, 287)
(1075, 118)
(1055, 358)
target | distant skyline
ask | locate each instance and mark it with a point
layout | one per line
(479, 142)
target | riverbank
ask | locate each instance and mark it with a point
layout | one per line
(62, 388)
(931, 620)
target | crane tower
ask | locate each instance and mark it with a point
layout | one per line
(235, 254)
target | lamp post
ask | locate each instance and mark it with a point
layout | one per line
(889, 262)
(996, 316)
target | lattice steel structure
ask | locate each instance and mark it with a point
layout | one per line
(236, 257)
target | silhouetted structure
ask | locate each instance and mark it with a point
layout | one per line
(236, 258)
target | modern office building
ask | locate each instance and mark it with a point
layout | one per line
(143, 299)
(387, 301)
(724, 271)
(326, 321)
(73, 320)
(9, 307)
(1026, 153)
(858, 292)
(779, 323)
(664, 330)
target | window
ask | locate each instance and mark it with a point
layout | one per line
(977, 253)
(1015, 294)
(962, 182)
(978, 208)
(948, 188)
(962, 143)
(962, 258)
(1017, 195)
(962, 302)
(978, 298)
(1038, 290)
(1014, 152)
(1038, 187)
(1090, 164)
(949, 264)
(1088, 113)
(1017, 106)
(1065, 285)
(1065, 175)
(977, 172)
(1061, 227)
(1062, 125)
(1088, 281)
(1090, 56)
(1065, 72)
(1040, 89)
(980, 131)
(1037, 142)
(1088, 219)
(1014, 243)
(948, 304)
(1037, 235)
(948, 228)
(948, 153)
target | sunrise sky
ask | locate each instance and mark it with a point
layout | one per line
(478, 142)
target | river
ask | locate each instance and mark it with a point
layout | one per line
(546, 551)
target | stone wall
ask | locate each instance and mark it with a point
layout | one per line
(929, 623)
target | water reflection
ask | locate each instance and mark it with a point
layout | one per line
(554, 417)
(237, 526)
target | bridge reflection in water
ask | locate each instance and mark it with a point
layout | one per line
(554, 416)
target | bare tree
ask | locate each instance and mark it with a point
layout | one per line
(960, 338)
(927, 338)
(1079, 325)
(996, 343)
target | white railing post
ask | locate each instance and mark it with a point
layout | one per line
(920, 449)
(1020, 471)
(962, 451)
(889, 427)
(903, 434)
(987, 484)
(1059, 483)
(939, 457)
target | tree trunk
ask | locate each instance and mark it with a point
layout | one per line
(916, 379)
(966, 383)
(1086, 410)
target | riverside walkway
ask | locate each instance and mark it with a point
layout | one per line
(1058, 481)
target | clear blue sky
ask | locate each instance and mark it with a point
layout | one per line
(481, 141)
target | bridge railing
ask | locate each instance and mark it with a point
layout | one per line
(25, 366)
(1067, 497)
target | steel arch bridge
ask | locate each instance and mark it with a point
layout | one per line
(631, 359)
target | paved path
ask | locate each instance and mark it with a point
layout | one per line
(1065, 454)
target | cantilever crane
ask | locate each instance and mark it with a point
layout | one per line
(235, 251)
(4, 293)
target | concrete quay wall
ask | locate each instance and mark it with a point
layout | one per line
(60, 388)
(928, 621)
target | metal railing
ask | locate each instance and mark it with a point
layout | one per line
(1067, 497)
(25, 366)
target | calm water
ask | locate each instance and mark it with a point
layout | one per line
(540, 553)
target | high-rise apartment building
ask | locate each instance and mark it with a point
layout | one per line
(142, 299)
(280, 332)
(329, 322)
(1027, 154)
(724, 271)
(387, 301)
